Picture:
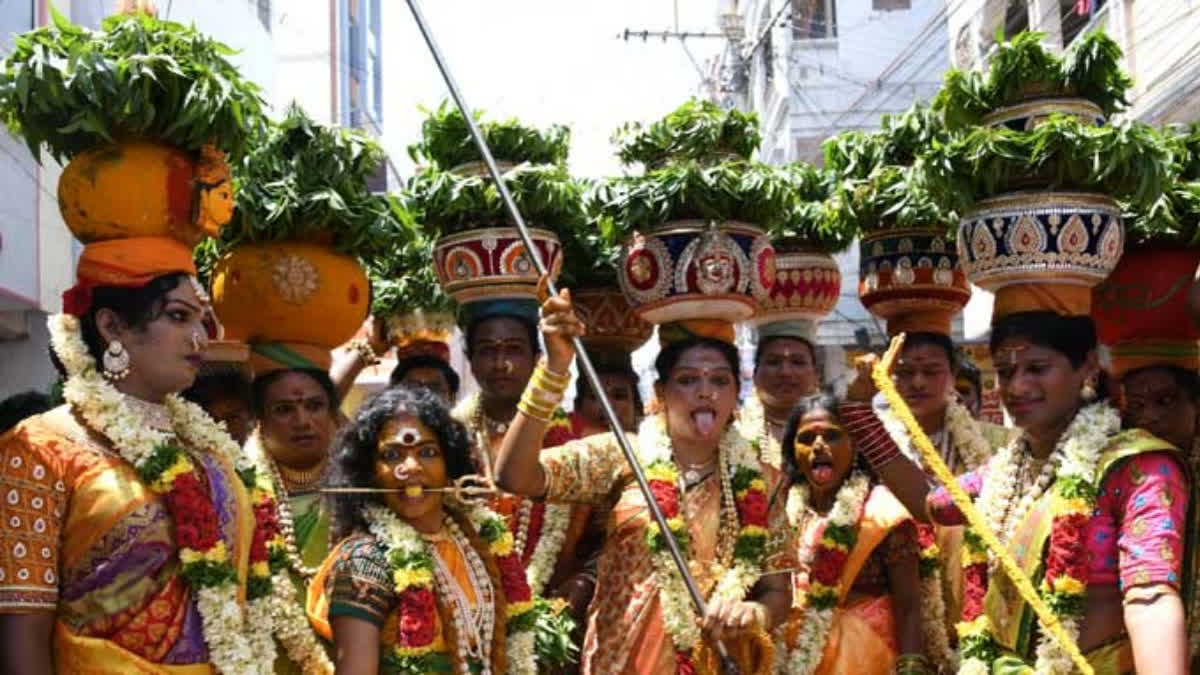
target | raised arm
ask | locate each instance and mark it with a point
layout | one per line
(901, 475)
(517, 467)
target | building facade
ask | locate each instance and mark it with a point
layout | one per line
(814, 68)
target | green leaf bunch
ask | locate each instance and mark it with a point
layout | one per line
(891, 197)
(68, 89)
(899, 141)
(697, 130)
(552, 641)
(1171, 219)
(752, 192)
(1130, 161)
(1022, 68)
(591, 250)
(404, 280)
(446, 140)
(546, 195)
(308, 181)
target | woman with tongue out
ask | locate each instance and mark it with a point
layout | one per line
(721, 502)
(857, 593)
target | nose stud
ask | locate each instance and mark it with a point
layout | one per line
(195, 341)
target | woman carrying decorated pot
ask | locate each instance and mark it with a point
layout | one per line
(1154, 351)
(138, 536)
(421, 582)
(709, 482)
(1097, 517)
(857, 596)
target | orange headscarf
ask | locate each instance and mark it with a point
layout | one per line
(127, 263)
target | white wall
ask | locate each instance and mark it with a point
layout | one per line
(880, 61)
(304, 60)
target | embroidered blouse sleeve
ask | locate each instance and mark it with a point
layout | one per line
(361, 584)
(33, 501)
(584, 470)
(1148, 497)
(941, 507)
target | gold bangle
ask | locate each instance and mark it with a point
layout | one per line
(543, 397)
(551, 377)
(528, 410)
(547, 388)
(364, 350)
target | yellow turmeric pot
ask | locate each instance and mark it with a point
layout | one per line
(290, 292)
(134, 189)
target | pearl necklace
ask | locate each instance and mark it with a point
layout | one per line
(1014, 468)
(474, 625)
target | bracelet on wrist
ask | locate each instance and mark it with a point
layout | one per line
(363, 348)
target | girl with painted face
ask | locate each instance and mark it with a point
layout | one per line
(1101, 517)
(723, 503)
(421, 581)
(857, 595)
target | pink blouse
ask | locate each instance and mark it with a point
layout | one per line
(1135, 536)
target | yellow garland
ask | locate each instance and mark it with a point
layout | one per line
(880, 375)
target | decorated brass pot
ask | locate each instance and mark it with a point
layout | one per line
(690, 269)
(911, 272)
(290, 292)
(1028, 115)
(491, 263)
(141, 189)
(807, 286)
(1050, 238)
(609, 318)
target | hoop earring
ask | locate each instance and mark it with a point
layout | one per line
(116, 362)
(1088, 391)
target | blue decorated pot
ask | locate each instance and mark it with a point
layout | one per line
(1062, 238)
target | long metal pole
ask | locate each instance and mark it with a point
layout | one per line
(585, 362)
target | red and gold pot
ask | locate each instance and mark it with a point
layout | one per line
(692, 269)
(491, 263)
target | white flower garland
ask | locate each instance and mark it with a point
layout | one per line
(1076, 456)
(752, 422)
(556, 518)
(396, 535)
(679, 616)
(235, 645)
(846, 511)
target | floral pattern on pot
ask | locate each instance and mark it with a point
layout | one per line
(807, 286)
(908, 271)
(1029, 115)
(491, 263)
(270, 292)
(1059, 237)
(610, 319)
(690, 269)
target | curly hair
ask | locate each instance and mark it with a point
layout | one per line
(354, 452)
(819, 401)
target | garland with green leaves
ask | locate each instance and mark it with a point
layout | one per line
(697, 130)
(69, 89)
(1022, 69)
(446, 141)
(1130, 162)
(308, 181)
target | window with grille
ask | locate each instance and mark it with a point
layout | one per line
(813, 19)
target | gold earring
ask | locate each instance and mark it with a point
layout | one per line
(1088, 391)
(116, 362)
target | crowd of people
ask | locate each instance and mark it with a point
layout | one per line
(201, 498)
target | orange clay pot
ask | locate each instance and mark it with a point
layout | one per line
(290, 292)
(134, 189)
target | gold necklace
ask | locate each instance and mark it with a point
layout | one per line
(301, 480)
(287, 525)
